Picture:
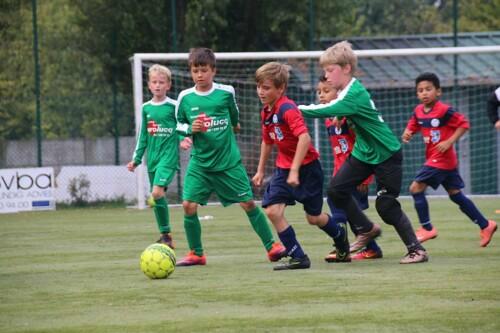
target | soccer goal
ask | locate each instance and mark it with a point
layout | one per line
(468, 75)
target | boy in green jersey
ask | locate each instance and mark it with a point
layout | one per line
(157, 135)
(376, 151)
(208, 112)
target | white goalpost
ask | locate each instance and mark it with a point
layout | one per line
(468, 75)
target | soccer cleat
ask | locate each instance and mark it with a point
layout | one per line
(342, 246)
(367, 254)
(424, 235)
(294, 263)
(166, 238)
(192, 259)
(414, 257)
(487, 233)
(364, 238)
(331, 257)
(277, 252)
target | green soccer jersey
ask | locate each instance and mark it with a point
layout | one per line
(375, 142)
(157, 134)
(214, 149)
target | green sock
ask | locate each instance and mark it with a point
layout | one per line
(259, 223)
(192, 227)
(161, 214)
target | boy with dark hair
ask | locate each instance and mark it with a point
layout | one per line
(157, 136)
(342, 140)
(441, 126)
(208, 112)
(298, 175)
(376, 151)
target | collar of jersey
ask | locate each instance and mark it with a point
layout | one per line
(167, 99)
(204, 93)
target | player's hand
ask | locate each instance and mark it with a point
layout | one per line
(257, 179)
(293, 178)
(131, 166)
(407, 135)
(197, 126)
(362, 188)
(186, 143)
(497, 125)
(443, 146)
(237, 128)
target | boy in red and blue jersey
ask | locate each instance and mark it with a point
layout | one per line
(298, 175)
(342, 139)
(441, 126)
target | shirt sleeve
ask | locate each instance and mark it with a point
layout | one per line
(493, 104)
(265, 133)
(412, 124)
(337, 107)
(295, 121)
(142, 140)
(458, 120)
(234, 112)
(183, 125)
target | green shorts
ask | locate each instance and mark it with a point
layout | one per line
(162, 176)
(231, 186)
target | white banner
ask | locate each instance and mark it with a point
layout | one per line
(26, 189)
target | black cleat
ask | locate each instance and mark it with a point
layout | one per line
(166, 238)
(342, 253)
(294, 263)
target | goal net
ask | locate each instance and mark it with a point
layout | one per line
(468, 75)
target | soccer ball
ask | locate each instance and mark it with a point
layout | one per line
(158, 261)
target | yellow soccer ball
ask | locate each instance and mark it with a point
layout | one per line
(158, 261)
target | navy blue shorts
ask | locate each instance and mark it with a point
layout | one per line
(309, 192)
(450, 179)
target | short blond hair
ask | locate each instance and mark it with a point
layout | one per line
(277, 72)
(339, 54)
(160, 69)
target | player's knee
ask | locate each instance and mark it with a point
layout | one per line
(273, 213)
(248, 205)
(453, 191)
(313, 220)
(158, 193)
(190, 207)
(388, 208)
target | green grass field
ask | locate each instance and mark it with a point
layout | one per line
(77, 270)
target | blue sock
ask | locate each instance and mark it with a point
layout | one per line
(422, 208)
(372, 245)
(288, 239)
(469, 209)
(338, 215)
(332, 229)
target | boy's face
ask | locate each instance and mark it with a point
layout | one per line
(203, 77)
(325, 92)
(268, 93)
(338, 77)
(158, 84)
(427, 93)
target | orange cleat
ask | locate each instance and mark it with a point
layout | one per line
(192, 259)
(276, 252)
(424, 235)
(367, 254)
(487, 233)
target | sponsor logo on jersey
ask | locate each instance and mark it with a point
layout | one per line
(435, 136)
(275, 119)
(344, 146)
(279, 133)
(155, 129)
(196, 108)
(435, 122)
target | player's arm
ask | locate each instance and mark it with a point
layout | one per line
(445, 145)
(234, 112)
(265, 152)
(300, 153)
(183, 127)
(339, 107)
(411, 128)
(142, 142)
(493, 104)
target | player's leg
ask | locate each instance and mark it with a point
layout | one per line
(233, 186)
(453, 185)
(426, 176)
(197, 189)
(310, 194)
(342, 185)
(372, 249)
(277, 196)
(389, 176)
(162, 177)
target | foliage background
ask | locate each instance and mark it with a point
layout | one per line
(84, 46)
